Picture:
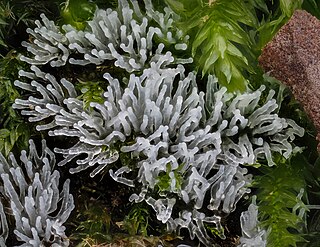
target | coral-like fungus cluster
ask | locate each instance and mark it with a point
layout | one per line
(30, 191)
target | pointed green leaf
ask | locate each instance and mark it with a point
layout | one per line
(209, 63)
(4, 133)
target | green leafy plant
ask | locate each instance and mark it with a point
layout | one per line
(94, 224)
(227, 36)
(5, 13)
(76, 13)
(214, 231)
(91, 92)
(217, 31)
(312, 176)
(281, 196)
(136, 221)
(164, 179)
(312, 6)
(273, 19)
(14, 132)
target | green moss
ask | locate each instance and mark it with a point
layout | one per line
(281, 196)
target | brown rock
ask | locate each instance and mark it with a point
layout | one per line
(293, 57)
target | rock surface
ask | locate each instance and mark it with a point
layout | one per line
(293, 57)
